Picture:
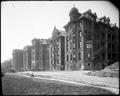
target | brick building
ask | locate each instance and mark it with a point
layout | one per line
(27, 58)
(57, 50)
(44, 54)
(40, 54)
(88, 44)
(17, 57)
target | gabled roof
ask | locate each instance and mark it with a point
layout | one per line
(88, 11)
(108, 19)
(57, 33)
(95, 14)
(104, 17)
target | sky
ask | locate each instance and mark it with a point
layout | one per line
(21, 21)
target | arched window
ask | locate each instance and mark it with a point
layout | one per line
(67, 58)
(80, 24)
(79, 56)
(71, 57)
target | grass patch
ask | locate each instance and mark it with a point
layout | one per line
(12, 85)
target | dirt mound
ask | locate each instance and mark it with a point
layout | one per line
(109, 71)
(114, 66)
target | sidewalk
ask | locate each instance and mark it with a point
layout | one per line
(80, 77)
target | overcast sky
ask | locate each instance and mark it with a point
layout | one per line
(21, 21)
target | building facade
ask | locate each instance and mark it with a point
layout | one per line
(17, 57)
(40, 54)
(57, 50)
(44, 54)
(88, 41)
(27, 58)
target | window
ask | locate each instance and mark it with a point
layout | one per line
(113, 37)
(73, 45)
(80, 33)
(67, 38)
(103, 66)
(57, 46)
(109, 56)
(89, 45)
(88, 56)
(109, 36)
(103, 35)
(109, 46)
(113, 47)
(74, 26)
(67, 58)
(71, 57)
(80, 43)
(74, 57)
(67, 66)
(85, 33)
(103, 56)
(79, 55)
(57, 61)
(80, 46)
(88, 64)
(73, 34)
(102, 43)
(70, 45)
(89, 35)
(67, 47)
(80, 24)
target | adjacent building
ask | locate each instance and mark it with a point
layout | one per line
(44, 54)
(57, 50)
(27, 58)
(88, 44)
(35, 53)
(40, 54)
(17, 57)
